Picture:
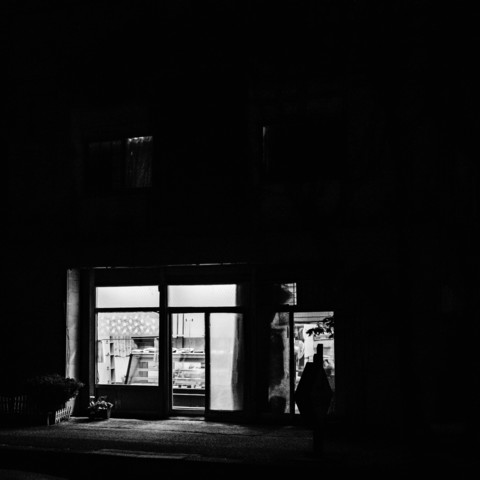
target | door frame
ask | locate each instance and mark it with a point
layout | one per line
(207, 311)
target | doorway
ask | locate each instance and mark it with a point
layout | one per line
(206, 342)
(294, 337)
(188, 361)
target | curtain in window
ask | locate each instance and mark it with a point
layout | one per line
(138, 162)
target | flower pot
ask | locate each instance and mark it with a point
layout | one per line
(100, 414)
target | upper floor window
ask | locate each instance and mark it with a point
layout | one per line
(301, 151)
(121, 164)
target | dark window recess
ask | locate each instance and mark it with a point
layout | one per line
(119, 164)
(302, 151)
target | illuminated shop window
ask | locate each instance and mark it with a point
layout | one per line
(127, 335)
(307, 337)
(294, 338)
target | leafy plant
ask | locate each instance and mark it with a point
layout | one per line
(324, 326)
(52, 391)
(99, 405)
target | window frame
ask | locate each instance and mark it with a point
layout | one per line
(97, 310)
(206, 311)
(108, 187)
(292, 310)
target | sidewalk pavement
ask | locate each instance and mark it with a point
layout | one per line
(130, 448)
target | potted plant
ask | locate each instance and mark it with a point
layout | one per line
(99, 409)
(49, 394)
(324, 326)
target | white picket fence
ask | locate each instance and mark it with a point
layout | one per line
(21, 409)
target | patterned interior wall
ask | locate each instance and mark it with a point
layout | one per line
(120, 324)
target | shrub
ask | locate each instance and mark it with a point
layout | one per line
(52, 391)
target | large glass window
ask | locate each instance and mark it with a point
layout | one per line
(127, 335)
(293, 342)
(310, 330)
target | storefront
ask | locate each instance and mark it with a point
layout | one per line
(218, 342)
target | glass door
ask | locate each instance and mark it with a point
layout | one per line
(188, 361)
(207, 350)
(226, 361)
(207, 361)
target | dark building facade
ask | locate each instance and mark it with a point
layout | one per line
(322, 148)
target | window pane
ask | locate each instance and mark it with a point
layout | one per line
(275, 294)
(188, 360)
(291, 288)
(279, 364)
(118, 164)
(98, 166)
(116, 154)
(128, 297)
(306, 344)
(226, 361)
(293, 150)
(202, 296)
(138, 162)
(127, 348)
